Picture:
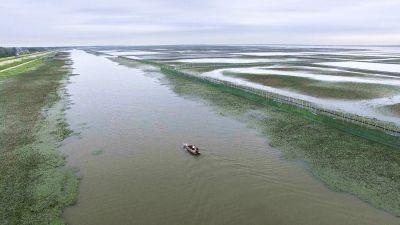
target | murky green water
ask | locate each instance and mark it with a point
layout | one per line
(134, 171)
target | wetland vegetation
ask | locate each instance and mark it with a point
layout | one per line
(342, 90)
(34, 185)
(395, 108)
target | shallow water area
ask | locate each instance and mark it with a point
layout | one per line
(228, 60)
(122, 53)
(393, 68)
(142, 175)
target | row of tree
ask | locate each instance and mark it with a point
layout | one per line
(5, 52)
(14, 51)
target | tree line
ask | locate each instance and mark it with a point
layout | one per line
(14, 51)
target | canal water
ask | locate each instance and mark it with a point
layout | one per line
(134, 171)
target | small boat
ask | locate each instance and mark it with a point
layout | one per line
(191, 149)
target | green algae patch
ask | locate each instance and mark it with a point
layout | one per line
(35, 185)
(97, 152)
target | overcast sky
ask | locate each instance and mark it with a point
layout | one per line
(142, 22)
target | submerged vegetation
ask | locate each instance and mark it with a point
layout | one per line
(34, 185)
(97, 152)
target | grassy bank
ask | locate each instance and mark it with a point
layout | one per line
(7, 58)
(30, 65)
(344, 162)
(20, 65)
(13, 63)
(34, 185)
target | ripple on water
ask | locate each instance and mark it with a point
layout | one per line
(144, 177)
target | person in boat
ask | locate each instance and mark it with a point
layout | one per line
(193, 147)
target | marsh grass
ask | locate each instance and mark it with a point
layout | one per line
(207, 67)
(395, 109)
(338, 90)
(392, 61)
(34, 184)
(320, 69)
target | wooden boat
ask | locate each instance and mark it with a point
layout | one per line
(192, 149)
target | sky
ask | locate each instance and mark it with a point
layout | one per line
(161, 22)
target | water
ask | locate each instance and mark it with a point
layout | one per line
(393, 68)
(122, 53)
(228, 60)
(379, 65)
(144, 177)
